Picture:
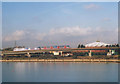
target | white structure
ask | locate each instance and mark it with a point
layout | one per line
(96, 44)
(90, 53)
(111, 52)
(56, 53)
(19, 49)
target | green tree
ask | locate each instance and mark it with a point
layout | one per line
(117, 45)
(106, 46)
(82, 46)
(79, 46)
(113, 45)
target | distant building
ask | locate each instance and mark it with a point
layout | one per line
(96, 44)
(19, 49)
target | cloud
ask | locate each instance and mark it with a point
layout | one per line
(24, 34)
(71, 31)
(91, 6)
(53, 33)
(17, 35)
(40, 36)
(62, 35)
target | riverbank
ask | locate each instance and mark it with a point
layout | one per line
(64, 60)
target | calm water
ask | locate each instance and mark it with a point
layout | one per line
(59, 72)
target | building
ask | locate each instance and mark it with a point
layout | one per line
(19, 49)
(96, 44)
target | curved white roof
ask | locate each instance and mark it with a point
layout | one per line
(96, 44)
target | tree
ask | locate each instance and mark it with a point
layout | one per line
(8, 49)
(106, 46)
(82, 46)
(109, 46)
(117, 45)
(113, 45)
(79, 46)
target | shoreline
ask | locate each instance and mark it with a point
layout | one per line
(63, 60)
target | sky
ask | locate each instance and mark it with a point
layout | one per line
(34, 24)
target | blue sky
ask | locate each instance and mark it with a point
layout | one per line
(57, 23)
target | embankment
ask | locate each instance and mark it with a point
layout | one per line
(64, 60)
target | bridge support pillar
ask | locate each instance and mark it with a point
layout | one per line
(90, 53)
(61, 53)
(28, 54)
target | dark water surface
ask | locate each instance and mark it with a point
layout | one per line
(59, 72)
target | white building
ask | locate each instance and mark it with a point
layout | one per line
(96, 44)
(56, 53)
(19, 49)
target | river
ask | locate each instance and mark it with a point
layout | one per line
(59, 72)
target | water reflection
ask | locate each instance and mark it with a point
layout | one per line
(59, 72)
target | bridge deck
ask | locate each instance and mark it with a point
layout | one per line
(64, 50)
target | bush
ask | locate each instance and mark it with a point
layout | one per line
(74, 57)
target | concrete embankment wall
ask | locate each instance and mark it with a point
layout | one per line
(64, 60)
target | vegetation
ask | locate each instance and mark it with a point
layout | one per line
(116, 45)
(98, 53)
(74, 57)
(81, 46)
(8, 49)
(80, 53)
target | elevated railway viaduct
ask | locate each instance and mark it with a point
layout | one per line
(61, 51)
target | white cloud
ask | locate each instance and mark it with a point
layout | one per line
(24, 34)
(91, 6)
(61, 34)
(17, 35)
(66, 31)
(71, 31)
(40, 36)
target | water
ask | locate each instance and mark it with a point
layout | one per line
(59, 72)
